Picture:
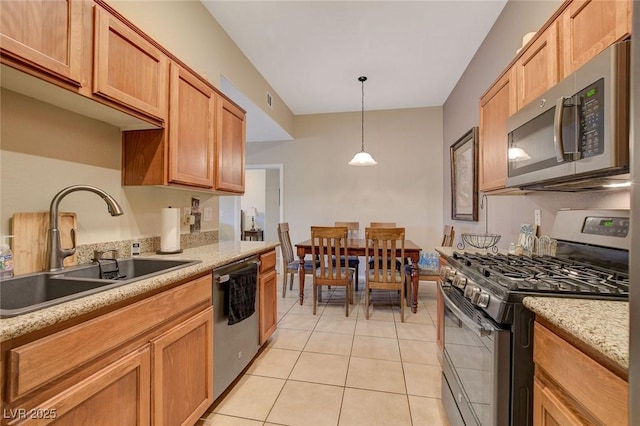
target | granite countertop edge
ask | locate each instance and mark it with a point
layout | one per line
(210, 256)
(603, 325)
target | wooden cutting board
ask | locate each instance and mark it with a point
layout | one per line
(30, 240)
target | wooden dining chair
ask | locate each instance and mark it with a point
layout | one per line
(289, 262)
(430, 274)
(383, 225)
(353, 233)
(386, 246)
(327, 244)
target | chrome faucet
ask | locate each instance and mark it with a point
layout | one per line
(56, 254)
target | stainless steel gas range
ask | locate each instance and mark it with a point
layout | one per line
(487, 338)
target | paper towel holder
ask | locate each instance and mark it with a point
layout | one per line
(169, 252)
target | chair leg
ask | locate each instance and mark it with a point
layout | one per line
(357, 276)
(291, 281)
(402, 294)
(366, 302)
(348, 300)
(314, 290)
(284, 285)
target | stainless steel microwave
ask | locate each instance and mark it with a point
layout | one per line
(576, 133)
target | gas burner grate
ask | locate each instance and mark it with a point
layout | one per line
(546, 274)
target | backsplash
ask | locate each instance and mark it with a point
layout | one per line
(148, 245)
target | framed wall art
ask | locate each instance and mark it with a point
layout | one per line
(464, 177)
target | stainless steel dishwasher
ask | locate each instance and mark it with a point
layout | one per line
(234, 345)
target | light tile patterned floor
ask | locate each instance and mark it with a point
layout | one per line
(330, 370)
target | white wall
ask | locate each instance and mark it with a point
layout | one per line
(321, 188)
(45, 149)
(254, 196)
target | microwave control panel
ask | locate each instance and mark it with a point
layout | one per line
(591, 119)
(607, 226)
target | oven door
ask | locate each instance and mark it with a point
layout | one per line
(476, 364)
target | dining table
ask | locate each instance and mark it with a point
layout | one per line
(358, 247)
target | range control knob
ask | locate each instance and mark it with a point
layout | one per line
(447, 273)
(459, 281)
(470, 290)
(483, 299)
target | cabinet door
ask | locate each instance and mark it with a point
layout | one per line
(128, 69)
(191, 130)
(116, 395)
(268, 304)
(495, 107)
(589, 27)
(46, 35)
(548, 408)
(537, 68)
(230, 148)
(182, 374)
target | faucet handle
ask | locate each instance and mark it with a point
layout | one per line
(99, 255)
(72, 250)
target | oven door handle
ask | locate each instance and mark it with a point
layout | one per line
(479, 329)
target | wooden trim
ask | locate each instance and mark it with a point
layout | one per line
(34, 364)
(596, 389)
(549, 403)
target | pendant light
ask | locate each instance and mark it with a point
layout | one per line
(362, 158)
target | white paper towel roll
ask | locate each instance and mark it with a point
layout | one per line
(170, 232)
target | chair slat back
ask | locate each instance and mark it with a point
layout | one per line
(353, 229)
(285, 243)
(329, 243)
(385, 245)
(382, 225)
(449, 236)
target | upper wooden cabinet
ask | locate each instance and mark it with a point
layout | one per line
(203, 147)
(495, 107)
(45, 35)
(191, 129)
(589, 27)
(127, 68)
(537, 69)
(230, 148)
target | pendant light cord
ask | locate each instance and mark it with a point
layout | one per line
(362, 80)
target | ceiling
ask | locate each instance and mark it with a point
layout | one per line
(312, 52)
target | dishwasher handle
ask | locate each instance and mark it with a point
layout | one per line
(222, 274)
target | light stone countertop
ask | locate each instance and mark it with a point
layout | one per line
(602, 325)
(211, 256)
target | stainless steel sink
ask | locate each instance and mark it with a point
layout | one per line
(28, 293)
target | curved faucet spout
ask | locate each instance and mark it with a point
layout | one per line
(56, 254)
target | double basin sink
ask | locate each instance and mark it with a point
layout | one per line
(28, 293)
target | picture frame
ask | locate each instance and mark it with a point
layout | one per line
(464, 177)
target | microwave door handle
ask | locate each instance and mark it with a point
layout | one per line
(557, 130)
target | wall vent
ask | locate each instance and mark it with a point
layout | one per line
(269, 100)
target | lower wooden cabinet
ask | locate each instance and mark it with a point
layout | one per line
(150, 362)
(117, 394)
(268, 294)
(571, 388)
(182, 371)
